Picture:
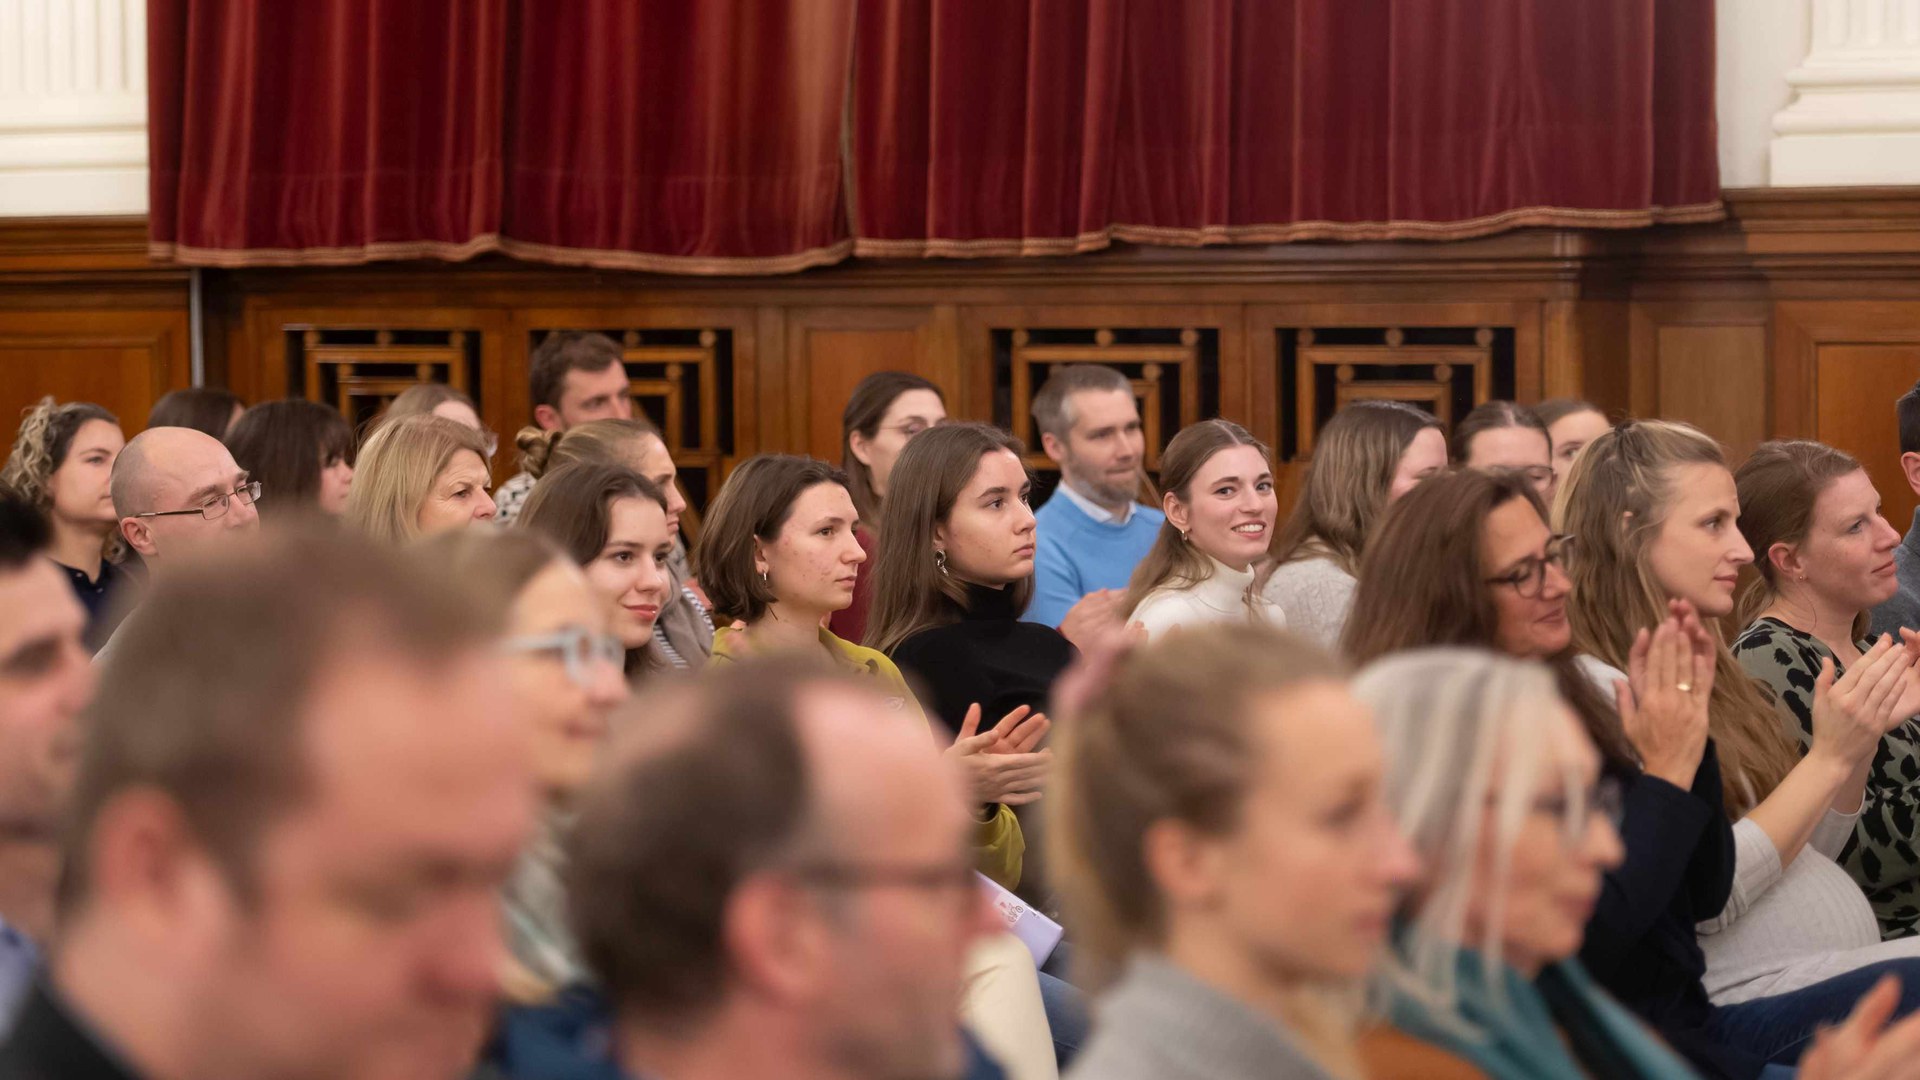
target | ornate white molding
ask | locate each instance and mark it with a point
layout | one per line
(73, 107)
(1855, 117)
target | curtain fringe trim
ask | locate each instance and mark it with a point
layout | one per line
(871, 247)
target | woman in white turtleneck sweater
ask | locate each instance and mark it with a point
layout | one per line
(1220, 509)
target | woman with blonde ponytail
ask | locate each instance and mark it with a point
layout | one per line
(1227, 859)
(62, 462)
(1656, 511)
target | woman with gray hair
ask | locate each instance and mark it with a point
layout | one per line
(1495, 783)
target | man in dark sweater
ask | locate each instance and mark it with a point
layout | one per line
(1902, 609)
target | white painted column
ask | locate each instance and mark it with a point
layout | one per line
(73, 107)
(1856, 116)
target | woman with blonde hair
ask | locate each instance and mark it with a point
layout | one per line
(1368, 455)
(1226, 858)
(683, 635)
(1824, 560)
(1656, 511)
(420, 475)
(1504, 799)
(1220, 509)
(62, 463)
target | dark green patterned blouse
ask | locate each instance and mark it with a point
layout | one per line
(1881, 856)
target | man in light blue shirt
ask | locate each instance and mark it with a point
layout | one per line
(45, 680)
(1093, 532)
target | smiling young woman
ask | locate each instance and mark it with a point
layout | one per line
(1220, 509)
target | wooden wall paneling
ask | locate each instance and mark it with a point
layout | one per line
(1704, 362)
(1840, 367)
(829, 350)
(122, 360)
(1586, 349)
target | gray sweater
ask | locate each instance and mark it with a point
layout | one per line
(1160, 1023)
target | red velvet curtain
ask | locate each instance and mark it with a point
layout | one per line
(324, 131)
(757, 136)
(1205, 121)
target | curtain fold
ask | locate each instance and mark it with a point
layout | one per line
(763, 136)
(327, 131)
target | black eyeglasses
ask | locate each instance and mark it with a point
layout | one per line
(216, 507)
(1530, 576)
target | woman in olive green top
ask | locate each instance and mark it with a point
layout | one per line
(778, 555)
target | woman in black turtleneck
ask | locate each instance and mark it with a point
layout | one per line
(954, 569)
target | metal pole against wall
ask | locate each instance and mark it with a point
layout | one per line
(196, 328)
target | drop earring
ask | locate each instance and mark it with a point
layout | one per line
(940, 563)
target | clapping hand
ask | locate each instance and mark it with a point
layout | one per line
(1663, 703)
(1852, 713)
(1863, 1047)
(1001, 764)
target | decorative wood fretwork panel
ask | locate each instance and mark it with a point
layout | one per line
(1446, 370)
(1174, 372)
(360, 370)
(682, 379)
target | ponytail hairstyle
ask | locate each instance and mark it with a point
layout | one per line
(45, 438)
(1779, 484)
(866, 407)
(910, 594)
(1173, 562)
(1170, 738)
(1348, 482)
(604, 442)
(1615, 498)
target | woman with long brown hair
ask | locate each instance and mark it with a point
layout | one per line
(683, 635)
(1467, 559)
(885, 410)
(301, 451)
(1656, 511)
(1220, 509)
(954, 571)
(613, 522)
(1368, 455)
(1824, 559)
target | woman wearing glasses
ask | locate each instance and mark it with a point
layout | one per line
(420, 475)
(563, 666)
(1656, 508)
(613, 522)
(1467, 559)
(1824, 557)
(1508, 806)
(884, 411)
(1504, 435)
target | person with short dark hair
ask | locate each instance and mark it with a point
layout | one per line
(823, 899)
(45, 681)
(285, 845)
(1571, 425)
(1902, 609)
(206, 409)
(300, 450)
(62, 463)
(576, 376)
(1506, 435)
(1093, 531)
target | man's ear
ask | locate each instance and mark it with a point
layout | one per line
(775, 940)
(1053, 447)
(1910, 465)
(548, 418)
(139, 536)
(144, 860)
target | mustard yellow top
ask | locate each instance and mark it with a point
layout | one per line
(1000, 848)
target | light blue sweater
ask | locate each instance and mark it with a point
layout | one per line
(1076, 555)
